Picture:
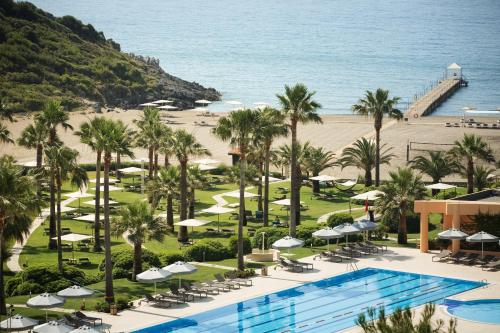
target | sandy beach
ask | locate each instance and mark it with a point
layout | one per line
(336, 132)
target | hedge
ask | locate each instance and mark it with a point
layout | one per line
(207, 250)
(338, 219)
(125, 260)
(233, 246)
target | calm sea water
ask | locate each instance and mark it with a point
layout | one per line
(249, 49)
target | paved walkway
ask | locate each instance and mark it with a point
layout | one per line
(324, 218)
(13, 261)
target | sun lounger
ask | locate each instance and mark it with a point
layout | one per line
(329, 256)
(232, 277)
(73, 321)
(231, 284)
(221, 286)
(380, 246)
(157, 301)
(186, 297)
(188, 289)
(443, 255)
(303, 264)
(470, 259)
(353, 253)
(208, 289)
(289, 266)
(371, 248)
(455, 257)
(91, 320)
(359, 248)
(486, 259)
(492, 265)
(341, 252)
(172, 297)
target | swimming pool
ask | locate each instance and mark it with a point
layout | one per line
(328, 305)
(482, 310)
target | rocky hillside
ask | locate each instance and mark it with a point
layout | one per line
(42, 56)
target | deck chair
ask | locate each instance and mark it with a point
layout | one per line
(443, 255)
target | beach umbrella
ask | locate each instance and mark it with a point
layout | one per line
(168, 107)
(284, 202)
(85, 329)
(180, 267)
(17, 323)
(45, 301)
(142, 160)
(452, 234)
(76, 291)
(206, 161)
(201, 110)
(323, 178)
(327, 233)
(101, 180)
(131, 170)
(148, 104)
(192, 223)
(482, 237)
(153, 275)
(203, 101)
(236, 194)
(288, 243)
(370, 195)
(441, 186)
(162, 101)
(347, 229)
(217, 210)
(29, 164)
(53, 327)
(365, 225)
(78, 195)
(206, 167)
(72, 238)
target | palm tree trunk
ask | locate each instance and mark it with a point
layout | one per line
(170, 213)
(97, 208)
(39, 161)
(183, 232)
(166, 162)
(241, 263)
(156, 164)
(3, 307)
(52, 217)
(315, 184)
(470, 176)
(117, 166)
(137, 260)
(402, 231)
(294, 179)
(110, 297)
(368, 178)
(259, 186)
(191, 204)
(150, 164)
(378, 126)
(59, 232)
(266, 187)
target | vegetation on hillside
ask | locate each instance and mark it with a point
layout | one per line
(44, 57)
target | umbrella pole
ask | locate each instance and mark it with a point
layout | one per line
(482, 250)
(179, 282)
(328, 246)
(155, 288)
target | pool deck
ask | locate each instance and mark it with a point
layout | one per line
(403, 259)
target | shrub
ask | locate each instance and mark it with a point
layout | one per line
(248, 272)
(412, 223)
(58, 285)
(27, 287)
(304, 232)
(120, 273)
(125, 259)
(233, 246)
(122, 303)
(271, 235)
(207, 250)
(102, 307)
(338, 219)
(170, 258)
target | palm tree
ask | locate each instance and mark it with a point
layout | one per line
(6, 113)
(61, 162)
(377, 105)
(18, 206)
(166, 185)
(299, 107)
(5, 134)
(52, 117)
(481, 177)
(317, 160)
(113, 133)
(139, 224)
(400, 193)
(148, 134)
(185, 146)
(238, 128)
(91, 134)
(436, 165)
(128, 139)
(362, 155)
(271, 126)
(466, 151)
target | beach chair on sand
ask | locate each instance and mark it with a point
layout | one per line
(157, 301)
(443, 255)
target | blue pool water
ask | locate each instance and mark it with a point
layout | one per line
(482, 310)
(328, 305)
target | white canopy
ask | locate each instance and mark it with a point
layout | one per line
(327, 233)
(454, 66)
(287, 242)
(482, 237)
(201, 109)
(206, 167)
(76, 291)
(284, 202)
(206, 161)
(236, 194)
(153, 275)
(217, 210)
(162, 101)
(89, 218)
(53, 327)
(110, 188)
(202, 101)
(347, 229)
(17, 323)
(440, 186)
(29, 164)
(168, 107)
(45, 300)
(348, 183)
(180, 267)
(111, 180)
(323, 178)
(453, 234)
(101, 202)
(370, 195)
(148, 104)
(78, 195)
(74, 237)
(365, 225)
(85, 329)
(234, 103)
(192, 223)
(131, 170)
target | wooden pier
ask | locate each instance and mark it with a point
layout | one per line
(436, 95)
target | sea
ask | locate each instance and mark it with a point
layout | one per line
(248, 50)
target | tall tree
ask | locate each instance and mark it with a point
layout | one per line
(6, 113)
(362, 155)
(482, 177)
(466, 151)
(128, 140)
(52, 117)
(147, 135)
(377, 105)
(298, 106)
(166, 186)
(18, 207)
(238, 128)
(436, 165)
(400, 193)
(317, 160)
(185, 146)
(5, 135)
(61, 162)
(139, 224)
